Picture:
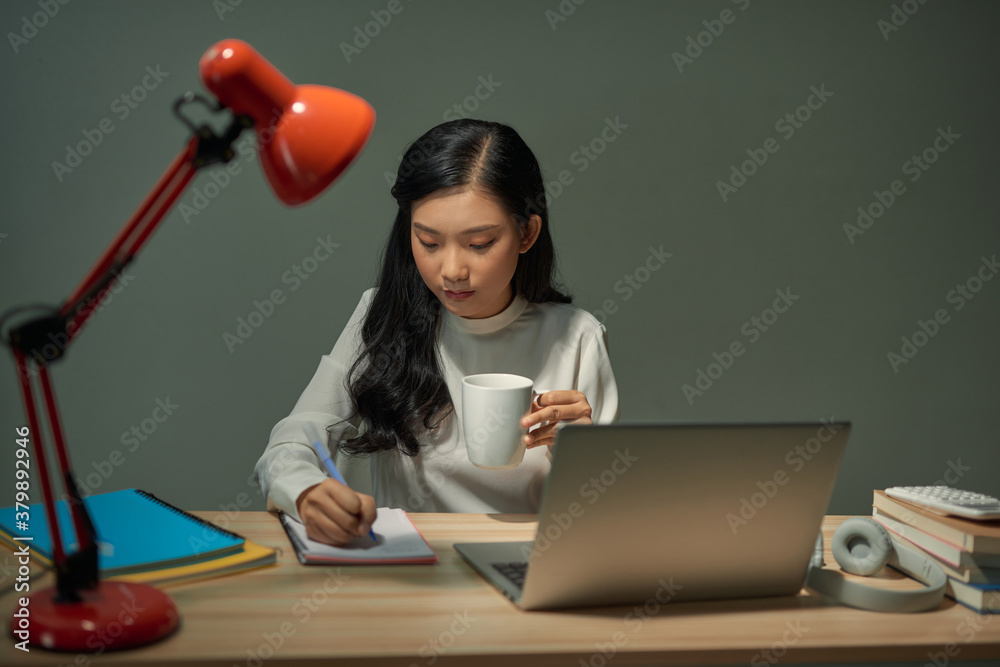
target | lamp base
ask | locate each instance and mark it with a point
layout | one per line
(115, 615)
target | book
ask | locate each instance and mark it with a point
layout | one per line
(251, 556)
(980, 598)
(136, 532)
(957, 564)
(946, 551)
(399, 542)
(976, 537)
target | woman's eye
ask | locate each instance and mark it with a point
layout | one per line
(481, 246)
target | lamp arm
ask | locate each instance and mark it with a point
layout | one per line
(204, 148)
(81, 304)
(33, 342)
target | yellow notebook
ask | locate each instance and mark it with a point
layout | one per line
(252, 556)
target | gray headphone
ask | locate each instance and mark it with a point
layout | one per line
(863, 546)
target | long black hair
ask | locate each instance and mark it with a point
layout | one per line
(396, 384)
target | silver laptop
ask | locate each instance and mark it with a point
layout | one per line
(635, 512)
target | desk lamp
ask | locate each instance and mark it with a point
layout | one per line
(307, 135)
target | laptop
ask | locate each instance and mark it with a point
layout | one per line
(635, 512)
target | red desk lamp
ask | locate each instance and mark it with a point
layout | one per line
(315, 132)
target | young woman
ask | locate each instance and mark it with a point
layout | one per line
(466, 287)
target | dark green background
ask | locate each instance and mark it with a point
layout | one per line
(161, 337)
(656, 185)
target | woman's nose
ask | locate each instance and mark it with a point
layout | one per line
(454, 269)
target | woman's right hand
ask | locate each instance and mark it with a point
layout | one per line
(335, 514)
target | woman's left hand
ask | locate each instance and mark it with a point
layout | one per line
(554, 407)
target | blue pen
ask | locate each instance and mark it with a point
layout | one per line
(317, 442)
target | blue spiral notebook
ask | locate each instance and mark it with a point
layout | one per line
(136, 531)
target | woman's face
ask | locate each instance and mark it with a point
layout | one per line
(466, 245)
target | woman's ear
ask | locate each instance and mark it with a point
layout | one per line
(530, 232)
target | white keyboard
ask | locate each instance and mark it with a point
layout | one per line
(946, 500)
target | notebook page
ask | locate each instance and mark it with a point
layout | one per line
(397, 540)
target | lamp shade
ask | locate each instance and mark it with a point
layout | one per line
(307, 135)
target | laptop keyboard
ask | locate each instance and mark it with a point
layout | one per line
(515, 572)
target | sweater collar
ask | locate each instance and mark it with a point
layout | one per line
(486, 324)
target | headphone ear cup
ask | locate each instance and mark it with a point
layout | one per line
(862, 546)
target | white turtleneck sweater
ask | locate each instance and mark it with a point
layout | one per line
(558, 346)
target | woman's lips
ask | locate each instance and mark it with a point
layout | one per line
(458, 296)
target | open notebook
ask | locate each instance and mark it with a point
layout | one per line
(399, 542)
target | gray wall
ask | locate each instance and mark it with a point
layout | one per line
(683, 126)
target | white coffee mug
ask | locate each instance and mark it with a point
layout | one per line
(492, 407)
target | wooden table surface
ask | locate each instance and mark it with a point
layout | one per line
(445, 614)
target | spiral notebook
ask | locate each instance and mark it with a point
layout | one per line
(136, 532)
(398, 542)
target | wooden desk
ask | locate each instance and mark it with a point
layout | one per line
(445, 614)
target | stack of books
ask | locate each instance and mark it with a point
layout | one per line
(139, 538)
(968, 551)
